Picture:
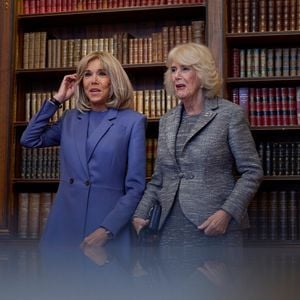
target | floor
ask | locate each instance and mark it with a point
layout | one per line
(27, 272)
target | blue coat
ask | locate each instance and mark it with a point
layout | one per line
(100, 190)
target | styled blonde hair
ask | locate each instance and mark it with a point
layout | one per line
(200, 58)
(121, 93)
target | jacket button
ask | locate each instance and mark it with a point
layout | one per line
(71, 180)
(87, 183)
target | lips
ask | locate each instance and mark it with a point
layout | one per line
(94, 90)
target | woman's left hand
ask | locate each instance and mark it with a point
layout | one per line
(216, 224)
(97, 238)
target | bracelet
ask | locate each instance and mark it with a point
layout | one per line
(55, 102)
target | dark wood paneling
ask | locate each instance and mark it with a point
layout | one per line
(6, 33)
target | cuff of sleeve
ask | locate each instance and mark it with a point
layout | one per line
(55, 102)
(238, 217)
(110, 235)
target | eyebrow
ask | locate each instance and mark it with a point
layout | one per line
(96, 70)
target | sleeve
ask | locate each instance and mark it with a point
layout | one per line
(39, 132)
(135, 180)
(248, 165)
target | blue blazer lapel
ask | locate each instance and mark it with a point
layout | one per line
(101, 130)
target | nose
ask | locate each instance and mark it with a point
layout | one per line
(95, 77)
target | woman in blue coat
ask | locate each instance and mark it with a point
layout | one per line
(102, 154)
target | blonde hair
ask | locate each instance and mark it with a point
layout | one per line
(198, 57)
(121, 93)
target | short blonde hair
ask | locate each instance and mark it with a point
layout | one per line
(200, 58)
(121, 93)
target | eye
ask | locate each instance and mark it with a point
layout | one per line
(185, 68)
(102, 73)
(87, 74)
(173, 69)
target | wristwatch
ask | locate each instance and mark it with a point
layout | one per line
(55, 102)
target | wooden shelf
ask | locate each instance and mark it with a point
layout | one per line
(130, 14)
(60, 71)
(252, 39)
(259, 81)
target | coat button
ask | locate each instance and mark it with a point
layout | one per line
(87, 183)
(71, 180)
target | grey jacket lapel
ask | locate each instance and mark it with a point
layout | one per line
(172, 128)
(209, 113)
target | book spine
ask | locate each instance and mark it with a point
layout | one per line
(273, 216)
(283, 226)
(23, 208)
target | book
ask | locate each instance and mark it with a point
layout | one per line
(263, 216)
(45, 206)
(33, 215)
(292, 215)
(23, 208)
(283, 221)
(274, 215)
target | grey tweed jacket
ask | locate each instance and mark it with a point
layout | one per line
(220, 143)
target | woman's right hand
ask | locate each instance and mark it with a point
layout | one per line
(67, 88)
(139, 224)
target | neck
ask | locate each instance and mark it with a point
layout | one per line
(99, 109)
(193, 106)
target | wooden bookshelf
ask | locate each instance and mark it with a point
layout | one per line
(6, 80)
(139, 22)
(250, 30)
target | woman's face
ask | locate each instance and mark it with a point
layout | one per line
(185, 80)
(96, 85)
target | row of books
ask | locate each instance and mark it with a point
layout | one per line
(54, 6)
(40, 163)
(265, 62)
(34, 101)
(151, 103)
(127, 48)
(263, 15)
(271, 106)
(33, 210)
(280, 158)
(43, 163)
(275, 215)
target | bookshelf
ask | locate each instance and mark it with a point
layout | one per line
(262, 74)
(38, 71)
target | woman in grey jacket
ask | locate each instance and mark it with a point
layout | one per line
(207, 168)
